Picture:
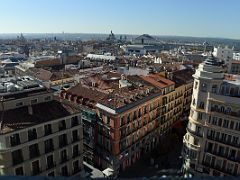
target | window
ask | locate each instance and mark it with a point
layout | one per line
(64, 171)
(50, 162)
(75, 151)
(48, 129)
(220, 122)
(49, 146)
(63, 155)
(19, 104)
(145, 109)
(135, 115)
(76, 167)
(201, 105)
(17, 157)
(63, 140)
(210, 147)
(108, 120)
(15, 139)
(194, 102)
(228, 110)
(139, 113)
(196, 85)
(222, 109)
(32, 134)
(196, 141)
(235, 140)
(122, 121)
(62, 125)
(207, 159)
(204, 87)
(75, 135)
(225, 123)
(35, 168)
(34, 101)
(214, 89)
(33, 151)
(232, 154)
(221, 150)
(74, 121)
(200, 116)
(214, 120)
(19, 171)
(47, 98)
(231, 125)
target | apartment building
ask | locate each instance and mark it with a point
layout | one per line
(39, 135)
(134, 121)
(211, 144)
(132, 114)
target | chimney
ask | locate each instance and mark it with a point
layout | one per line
(30, 110)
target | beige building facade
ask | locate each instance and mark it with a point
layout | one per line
(39, 135)
(211, 144)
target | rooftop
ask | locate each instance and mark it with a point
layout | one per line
(182, 76)
(158, 80)
(18, 85)
(20, 118)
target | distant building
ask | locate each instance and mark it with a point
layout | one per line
(141, 49)
(39, 136)
(145, 39)
(236, 56)
(224, 54)
(235, 67)
(111, 37)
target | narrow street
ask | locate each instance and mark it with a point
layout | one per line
(166, 160)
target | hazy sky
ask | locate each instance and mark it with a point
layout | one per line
(208, 18)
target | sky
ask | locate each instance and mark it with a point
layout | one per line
(200, 18)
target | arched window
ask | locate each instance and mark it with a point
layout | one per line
(222, 109)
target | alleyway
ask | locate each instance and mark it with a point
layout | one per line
(166, 160)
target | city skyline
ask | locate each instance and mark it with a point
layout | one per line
(184, 18)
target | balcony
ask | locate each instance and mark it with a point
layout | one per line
(227, 142)
(194, 132)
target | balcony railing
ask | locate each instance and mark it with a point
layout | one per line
(194, 132)
(227, 142)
